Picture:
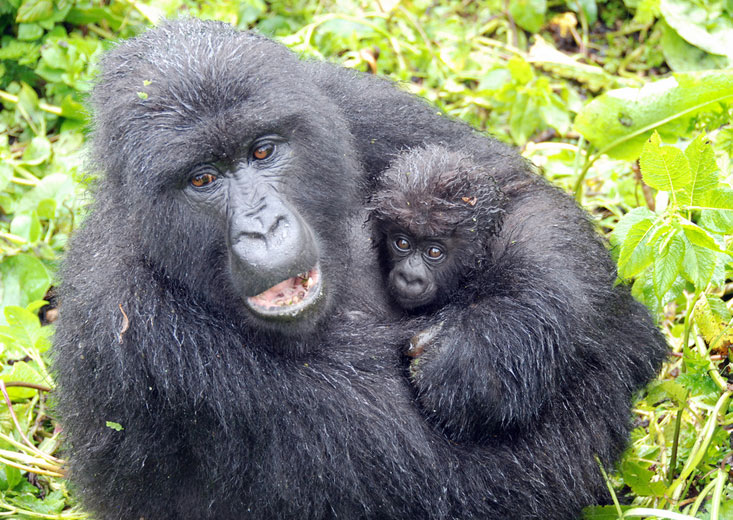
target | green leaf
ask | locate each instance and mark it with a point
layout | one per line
(693, 23)
(703, 170)
(698, 265)
(27, 227)
(636, 215)
(9, 477)
(115, 426)
(47, 209)
(6, 173)
(29, 32)
(37, 152)
(639, 479)
(525, 118)
(23, 372)
(24, 279)
(664, 167)
(635, 253)
(34, 10)
(682, 56)
(520, 70)
(528, 14)
(667, 265)
(699, 237)
(669, 389)
(620, 121)
(588, 8)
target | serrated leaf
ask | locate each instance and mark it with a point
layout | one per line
(639, 479)
(667, 265)
(703, 169)
(712, 318)
(635, 253)
(669, 389)
(636, 215)
(701, 238)
(664, 167)
(698, 265)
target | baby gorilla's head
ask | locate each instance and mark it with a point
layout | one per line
(434, 213)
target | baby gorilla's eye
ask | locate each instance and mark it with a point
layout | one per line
(402, 244)
(202, 179)
(434, 252)
(263, 151)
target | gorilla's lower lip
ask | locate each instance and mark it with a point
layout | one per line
(288, 298)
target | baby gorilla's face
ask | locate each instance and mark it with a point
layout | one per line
(421, 269)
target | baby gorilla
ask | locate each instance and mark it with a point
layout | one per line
(435, 213)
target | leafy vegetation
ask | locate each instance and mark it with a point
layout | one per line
(625, 103)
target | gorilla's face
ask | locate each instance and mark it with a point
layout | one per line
(242, 188)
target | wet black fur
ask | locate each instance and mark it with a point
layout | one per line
(219, 420)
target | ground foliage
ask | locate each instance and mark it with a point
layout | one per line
(625, 103)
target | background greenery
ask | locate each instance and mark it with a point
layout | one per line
(625, 103)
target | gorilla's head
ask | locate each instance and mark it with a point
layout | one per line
(232, 173)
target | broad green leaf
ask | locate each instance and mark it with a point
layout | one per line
(698, 265)
(9, 477)
(667, 265)
(703, 170)
(25, 373)
(589, 9)
(636, 215)
(34, 10)
(57, 186)
(699, 237)
(682, 56)
(47, 208)
(520, 70)
(712, 318)
(29, 32)
(664, 167)
(639, 478)
(6, 173)
(37, 152)
(694, 23)
(525, 118)
(24, 279)
(636, 254)
(26, 226)
(620, 121)
(528, 14)
(669, 389)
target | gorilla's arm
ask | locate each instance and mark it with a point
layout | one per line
(546, 309)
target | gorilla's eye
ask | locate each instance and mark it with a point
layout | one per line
(202, 179)
(263, 151)
(402, 244)
(434, 252)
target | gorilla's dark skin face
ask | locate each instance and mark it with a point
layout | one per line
(422, 270)
(271, 250)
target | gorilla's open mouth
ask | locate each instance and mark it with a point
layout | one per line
(288, 298)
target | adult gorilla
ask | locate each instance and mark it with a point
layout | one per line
(202, 309)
